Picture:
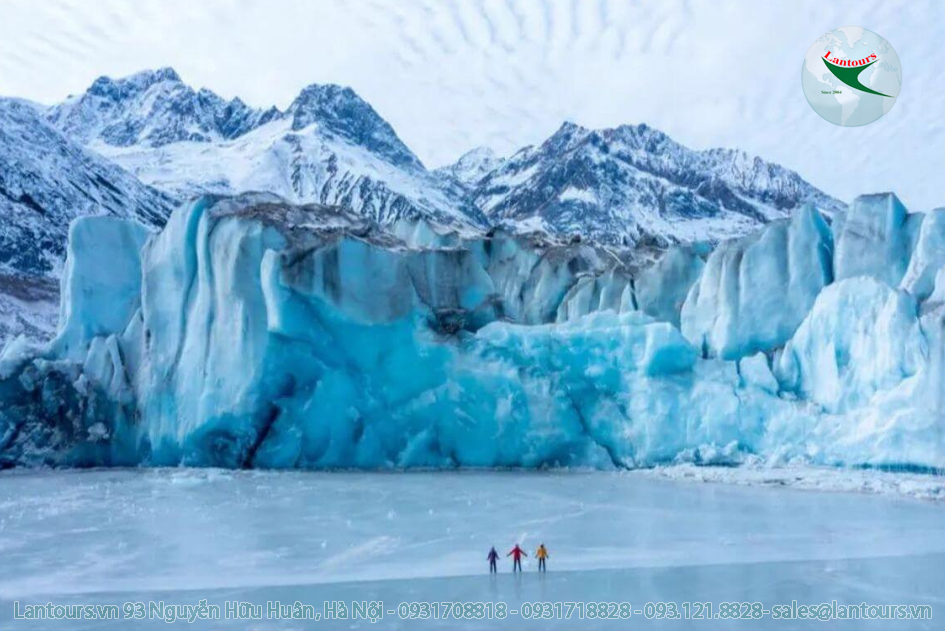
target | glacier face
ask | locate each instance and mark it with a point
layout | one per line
(755, 291)
(254, 333)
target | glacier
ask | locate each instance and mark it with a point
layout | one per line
(251, 332)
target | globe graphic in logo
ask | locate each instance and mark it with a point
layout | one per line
(851, 76)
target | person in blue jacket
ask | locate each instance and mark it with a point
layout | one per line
(493, 556)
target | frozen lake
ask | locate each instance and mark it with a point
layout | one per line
(110, 537)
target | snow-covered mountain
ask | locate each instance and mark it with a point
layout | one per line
(472, 166)
(153, 109)
(329, 147)
(634, 184)
(622, 186)
(46, 181)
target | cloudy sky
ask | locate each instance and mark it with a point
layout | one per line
(450, 75)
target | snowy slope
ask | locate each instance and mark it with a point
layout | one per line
(472, 166)
(47, 180)
(303, 166)
(635, 184)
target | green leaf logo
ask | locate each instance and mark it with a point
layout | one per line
(848, 71)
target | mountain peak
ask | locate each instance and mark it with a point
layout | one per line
(473, 165)
(46, 180)
(634, 184)
(116, 89)
(569, 129)
(325, 91)
(478, 155)
(153, 108)
(340, 111)
(567, 137)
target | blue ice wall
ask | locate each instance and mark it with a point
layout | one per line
(237, 338)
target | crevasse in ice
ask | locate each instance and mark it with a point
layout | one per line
(254, 333)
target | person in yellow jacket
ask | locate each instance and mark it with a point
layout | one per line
(541, 554)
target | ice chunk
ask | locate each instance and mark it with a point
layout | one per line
(101, 284)
(754, 371)
(754, 292)
(104, 367)
(14, 354)
(662, 288)
(875, 240)
(532, 279)
(611, 290)
(861, 337)
(928, 258)
(212, 374)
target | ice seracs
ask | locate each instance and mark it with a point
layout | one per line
(101, 285)
(876, 239)
(928, 256)
(754, 292)
(660, 290)
(266, 334)
(860, 337)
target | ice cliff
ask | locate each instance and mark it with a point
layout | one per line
(254, 333)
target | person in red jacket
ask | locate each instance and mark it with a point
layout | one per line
(516, 553)
(493, 556)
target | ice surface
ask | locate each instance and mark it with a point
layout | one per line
(183, 535)
(755, 371)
